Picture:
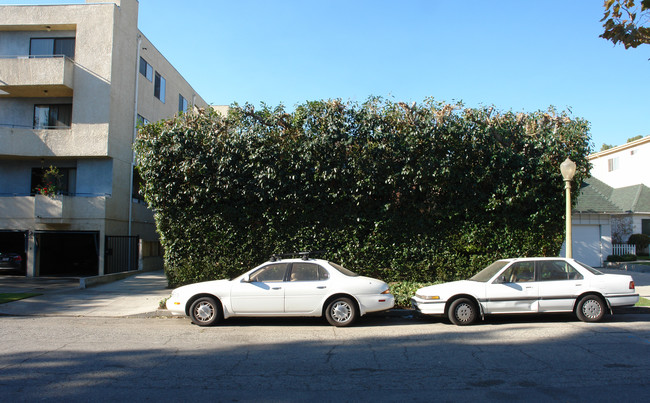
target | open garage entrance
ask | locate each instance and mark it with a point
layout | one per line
(14, 242)
(65, 253)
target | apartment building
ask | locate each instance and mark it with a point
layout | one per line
(75, 81)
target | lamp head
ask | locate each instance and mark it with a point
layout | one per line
(568, 169)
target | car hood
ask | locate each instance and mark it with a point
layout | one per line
(204, 286)
(453, 287)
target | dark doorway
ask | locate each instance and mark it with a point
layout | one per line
(14, 242)
(68, 253)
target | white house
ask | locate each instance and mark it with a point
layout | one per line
(614, 203)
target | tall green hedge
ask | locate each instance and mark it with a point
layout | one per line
(422, 192)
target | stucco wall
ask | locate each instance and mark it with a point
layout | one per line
(633, 161)
(99, 142)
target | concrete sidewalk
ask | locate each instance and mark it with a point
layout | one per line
(138, 294)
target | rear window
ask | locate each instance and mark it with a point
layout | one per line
(343, 270)
(591, 269)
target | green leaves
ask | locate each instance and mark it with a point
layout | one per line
(622, 25)
(419, 192)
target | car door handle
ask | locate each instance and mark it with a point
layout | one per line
(276, 288)
(320, 287)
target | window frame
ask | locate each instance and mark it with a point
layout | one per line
(524, 264)
(54, 120)
(182, 104)
(612, 164)
(142, 121)
(256, 273)
(159, 87)
(53, 51)
(542, 263)
(321, 273)
(67, 184)
(148, 69)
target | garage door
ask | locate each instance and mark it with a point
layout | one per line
(68, 253)
(586, 244)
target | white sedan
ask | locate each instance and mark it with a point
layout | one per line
(528, 285)
(286, 287)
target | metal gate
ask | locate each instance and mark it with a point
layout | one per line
(121, 253)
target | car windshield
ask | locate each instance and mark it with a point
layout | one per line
(343, 270)
(486, 274)
(591, 269)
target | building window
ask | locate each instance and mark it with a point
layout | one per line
(142, 121)
(159, 88)
(146, 70)
(65, 182)
(182, 104)
(57, 116)
(612, 164)
(138, 185)
(48, 47)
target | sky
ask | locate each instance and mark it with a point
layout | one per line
(515, 55)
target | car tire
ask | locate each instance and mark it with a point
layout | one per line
(341, 312)
(462, 311)
(590, 308)
(205, 311)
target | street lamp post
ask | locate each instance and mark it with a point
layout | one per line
(568, 169)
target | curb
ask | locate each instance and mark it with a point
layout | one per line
(393, 313)
(85, 282)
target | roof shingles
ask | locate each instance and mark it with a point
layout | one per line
(597, 197)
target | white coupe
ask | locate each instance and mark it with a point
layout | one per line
(528, 285)
(284, 287)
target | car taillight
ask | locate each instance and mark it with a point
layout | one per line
(18, 259)
(632, 285)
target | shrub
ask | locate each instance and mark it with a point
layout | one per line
(429, 192)
(621, 258)
(404, 290)
(641, 241)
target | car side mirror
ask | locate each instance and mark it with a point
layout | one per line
(246, 279)
(501, 280)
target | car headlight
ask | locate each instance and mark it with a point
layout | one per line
(428, 297)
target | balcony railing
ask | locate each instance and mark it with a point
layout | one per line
(29, 76)
(57, 209)
(41, 127)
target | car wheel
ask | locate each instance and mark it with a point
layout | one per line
(341, 312)
(462, 312)
(205, 311)
(590, 308)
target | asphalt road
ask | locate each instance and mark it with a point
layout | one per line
(386, 359)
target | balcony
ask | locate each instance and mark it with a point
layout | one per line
(25, 76)
(30, 142)
(20, 210)
(80, 139)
